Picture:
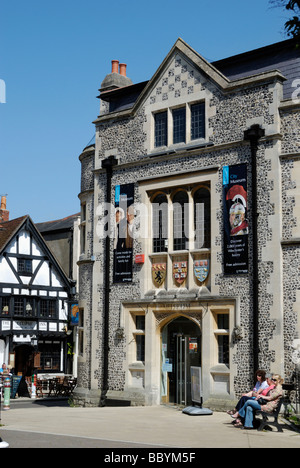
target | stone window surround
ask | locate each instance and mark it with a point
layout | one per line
(188, 140)
(190, 191)
(190, 182)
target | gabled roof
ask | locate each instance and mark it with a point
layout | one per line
(9, 229)
(276, 62)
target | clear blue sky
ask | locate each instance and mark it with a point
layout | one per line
(54, 56)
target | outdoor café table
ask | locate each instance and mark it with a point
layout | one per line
(66, 387)
(53, 386)
(69, 386)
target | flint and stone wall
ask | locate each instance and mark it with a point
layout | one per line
(228, 116)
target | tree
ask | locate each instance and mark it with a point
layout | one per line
(292, 26)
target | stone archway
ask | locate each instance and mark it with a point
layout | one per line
(181, 349)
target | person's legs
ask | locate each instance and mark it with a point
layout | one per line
(247, 411)
(249, 417)
(242, 401)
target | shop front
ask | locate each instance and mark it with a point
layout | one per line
(29, 355)
(45, 355)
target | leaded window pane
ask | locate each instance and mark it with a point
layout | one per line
(198, 121)
(161, 129)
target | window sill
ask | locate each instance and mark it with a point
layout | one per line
(158, 254)
(200, 251)
(139, 365)
(173, 253)
(220, 369)
(179, 147)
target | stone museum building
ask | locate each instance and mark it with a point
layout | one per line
(190, 230)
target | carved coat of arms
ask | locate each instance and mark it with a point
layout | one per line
(159, 272)
(179, 271)
(201, 269)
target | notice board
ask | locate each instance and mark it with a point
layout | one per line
(16, 379)
(196, 384)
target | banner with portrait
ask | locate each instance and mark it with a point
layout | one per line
(236, 228)
(124, 227)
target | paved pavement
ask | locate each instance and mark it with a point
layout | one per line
(44, 424)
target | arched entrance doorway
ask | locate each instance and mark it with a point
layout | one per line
(181, 349)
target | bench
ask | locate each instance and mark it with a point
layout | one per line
(266, 421)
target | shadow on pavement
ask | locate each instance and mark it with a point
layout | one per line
(45, 402)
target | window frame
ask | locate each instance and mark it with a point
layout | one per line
(22, 264)
(221, 333)
(193, 106)
(206, 216)
(193, 125)
(180, 213)
(18, 307)
(160, 129)
(5, 302)
(49, 351)
(139, 337)
(179, 123)
(50, 313)
(82, 229)
(160, 221)
(164, 212)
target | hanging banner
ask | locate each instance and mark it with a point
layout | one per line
(235, 212)
(74, 314)
(124, 219)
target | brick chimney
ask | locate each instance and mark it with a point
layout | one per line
(4, 214)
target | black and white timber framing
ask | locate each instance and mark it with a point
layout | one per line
(34, 296)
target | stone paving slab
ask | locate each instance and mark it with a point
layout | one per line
(158, 426)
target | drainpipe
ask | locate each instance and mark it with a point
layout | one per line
(108, 165)
(253, 134)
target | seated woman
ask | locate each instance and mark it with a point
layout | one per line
(245, 416)
(262, 384)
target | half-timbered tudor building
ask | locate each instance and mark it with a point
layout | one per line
(34, 301)
(198, 264)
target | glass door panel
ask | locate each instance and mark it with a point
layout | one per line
(181, 350)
